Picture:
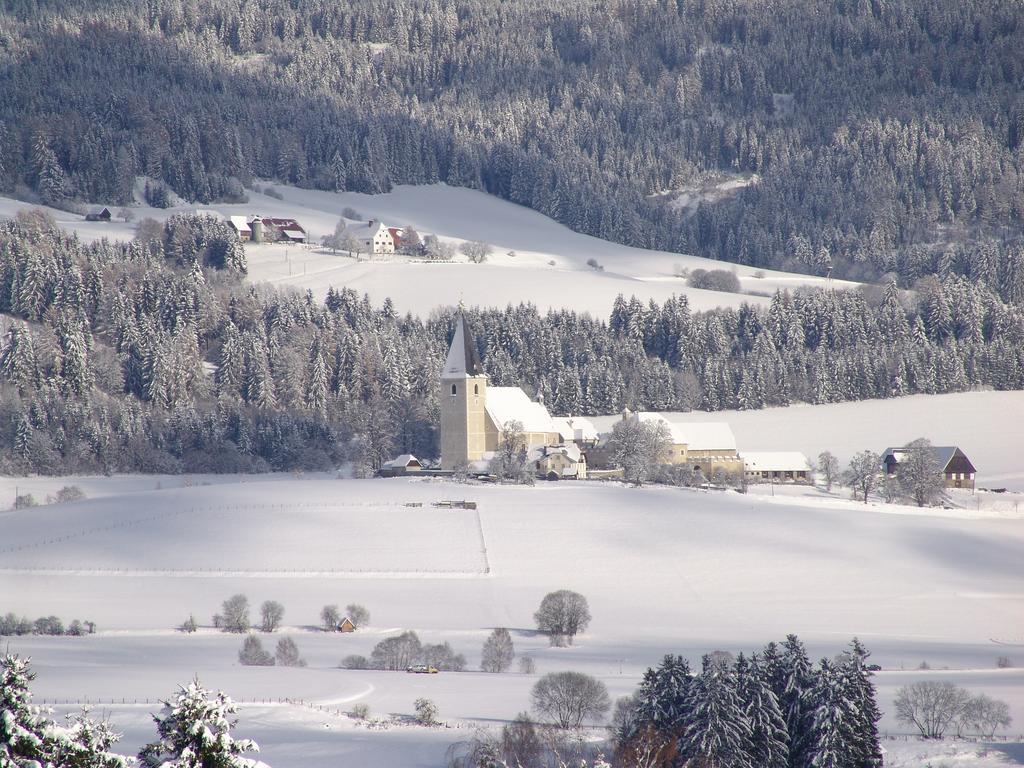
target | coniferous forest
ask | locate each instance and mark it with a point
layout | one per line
(887, 137)
(155, 356)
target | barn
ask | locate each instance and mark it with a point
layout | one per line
(956, 468)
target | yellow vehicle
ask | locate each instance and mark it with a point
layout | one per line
(422, 669)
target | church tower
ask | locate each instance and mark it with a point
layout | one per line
(463, 399)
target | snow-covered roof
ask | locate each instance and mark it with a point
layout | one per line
(570, 450)
(575, 428)
(775, 461)
(695, 435)
(400, 462)
(707, 435)
(239, 223)
(505, 404)
(463, 359)
(943, 454)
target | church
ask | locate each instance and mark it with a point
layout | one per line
(473, 415)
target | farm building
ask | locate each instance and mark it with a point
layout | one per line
(99, 214)
(707, 446)
(283, 230)
(346, 625)
(956, 468)
(241, 226)
(401, 465)
(376, 238)
(776, 466)
(559, 462)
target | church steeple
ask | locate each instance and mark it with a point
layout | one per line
(463, 359)
(463, 400)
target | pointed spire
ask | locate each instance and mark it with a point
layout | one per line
(463, 359)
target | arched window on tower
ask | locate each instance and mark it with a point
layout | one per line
(454, 390)
(476, 389)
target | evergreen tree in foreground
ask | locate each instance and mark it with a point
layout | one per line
(195, 732)
(718, 732)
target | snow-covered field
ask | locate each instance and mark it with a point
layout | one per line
(535, 259)
(664, 569)
(988, 426)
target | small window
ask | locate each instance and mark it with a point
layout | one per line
(454, 390)
(476, 389)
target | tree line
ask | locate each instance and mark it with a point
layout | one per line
(885, 140)
(154, 356)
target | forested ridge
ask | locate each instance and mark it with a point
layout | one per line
(886, 136)
(155, 356)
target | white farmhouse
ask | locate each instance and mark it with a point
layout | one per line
(375, 238)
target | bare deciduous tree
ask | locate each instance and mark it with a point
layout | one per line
(498, 651)
(235, 614)
(397, 653)
(329, 618)
(569, 698)
(862, 475)
(639, 447)
(359, 615)
(287, 654)
(930, 706)
(271, 613)
(919, 473)
(563, 614)
(828, 466)
(253, 654)
(476, 251)
(509, 462)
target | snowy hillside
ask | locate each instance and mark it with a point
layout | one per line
(535, 259)
(664, 570)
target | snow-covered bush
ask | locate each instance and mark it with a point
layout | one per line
(271, 614)
(359, 615)
(498, 651)
(189, 625)
(287, 654)
(426, 712)
(360, 711)
(195, 732)
(253, 654)
(355, 661)
(329, 618)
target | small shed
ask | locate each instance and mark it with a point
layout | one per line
(99, 214)
(346, 625)
(957, 470)
(401, 465)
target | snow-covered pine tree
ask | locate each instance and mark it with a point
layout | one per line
(831, 737)
(22, 725)
(796, 699)
(769, 740)
(717, 731)
(865, 751)
(86, 743)
(195, 732)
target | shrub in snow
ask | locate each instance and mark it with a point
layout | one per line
(498, 651)
(355, 662)
(569, 698)
(593, 264)
(271, 613)
(234, 615)
(189, 625)
(442, 657)
(25, 501)
(360, 711)
(714, 280)
(195, 732)
(329, 618)
(358, 614)
(13, 625)
(287, 654)
(476, 251)
(527, 665)
(563, 614)
(66, 494)
(426, 712)
(49, 625)
(1003, 662)
(253, 653)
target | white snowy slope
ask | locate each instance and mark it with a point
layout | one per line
(665, 570)
(988, 426)
(549, 265)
